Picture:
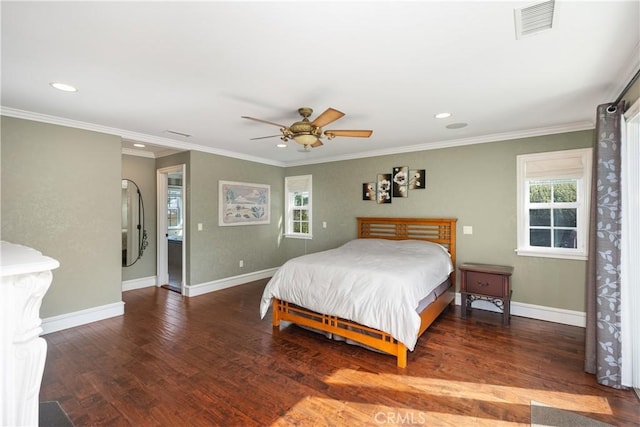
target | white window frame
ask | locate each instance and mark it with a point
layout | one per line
(629, 269)
(551, 166)
(294, 185)
(175, 192)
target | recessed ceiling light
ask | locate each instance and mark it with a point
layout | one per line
(442, 115)
(137, 144)
(63, 87)
(457, 125)
(281, 145)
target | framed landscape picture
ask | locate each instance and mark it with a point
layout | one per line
(242, 203)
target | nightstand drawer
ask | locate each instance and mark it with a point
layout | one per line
(485, 284)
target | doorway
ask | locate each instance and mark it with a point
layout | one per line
(171, 268)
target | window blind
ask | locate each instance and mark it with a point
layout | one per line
(563, 164)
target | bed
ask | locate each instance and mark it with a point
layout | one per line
(349, 281)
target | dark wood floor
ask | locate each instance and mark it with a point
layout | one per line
(210, 360)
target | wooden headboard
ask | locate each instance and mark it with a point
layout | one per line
(438, 230)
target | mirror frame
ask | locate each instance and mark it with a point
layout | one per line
(142, 242)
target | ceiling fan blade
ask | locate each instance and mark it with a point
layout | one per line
(352, 133)
(265, 137)
(264, 121)
(329, 116)
(317, 144)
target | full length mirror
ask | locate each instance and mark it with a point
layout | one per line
(134, 235)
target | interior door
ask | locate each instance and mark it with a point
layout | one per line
(171, 257)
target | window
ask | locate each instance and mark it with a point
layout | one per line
(297, 190)
(553, 203)
(174, 205)
(174, 211)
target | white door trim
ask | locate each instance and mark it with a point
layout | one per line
(163, 249)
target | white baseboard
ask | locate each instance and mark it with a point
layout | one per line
(540, 312)
(82, 317)
(143, 282)
(228, 282)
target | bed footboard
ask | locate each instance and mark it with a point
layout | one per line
(382, 341)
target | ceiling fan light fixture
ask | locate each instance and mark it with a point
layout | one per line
(306, 138)
(310, 134)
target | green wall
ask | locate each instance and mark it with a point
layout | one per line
(214, 253)
(474, 183)
(142, 171)
(61, 195)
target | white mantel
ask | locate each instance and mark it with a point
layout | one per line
(25, 276)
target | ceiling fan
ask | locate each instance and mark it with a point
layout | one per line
(309, 134)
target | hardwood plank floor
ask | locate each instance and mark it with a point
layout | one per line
(211, 361)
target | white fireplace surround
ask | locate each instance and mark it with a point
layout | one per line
(25, 276)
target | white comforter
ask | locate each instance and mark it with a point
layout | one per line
(375, 282)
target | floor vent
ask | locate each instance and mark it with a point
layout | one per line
(533, 19)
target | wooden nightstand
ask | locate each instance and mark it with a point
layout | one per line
(486, 282)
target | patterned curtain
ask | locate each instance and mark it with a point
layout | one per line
(603, 342)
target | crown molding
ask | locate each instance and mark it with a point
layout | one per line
(131, 136)
(142, 152)
(625, 75)
(138, 153)
(496, 137)
(172, 144)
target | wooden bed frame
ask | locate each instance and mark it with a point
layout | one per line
(439, 230)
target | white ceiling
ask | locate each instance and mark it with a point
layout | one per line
(144, 67)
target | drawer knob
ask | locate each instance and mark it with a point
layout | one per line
(483, 284)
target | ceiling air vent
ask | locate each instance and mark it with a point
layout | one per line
(533, 19)
(174, 132)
